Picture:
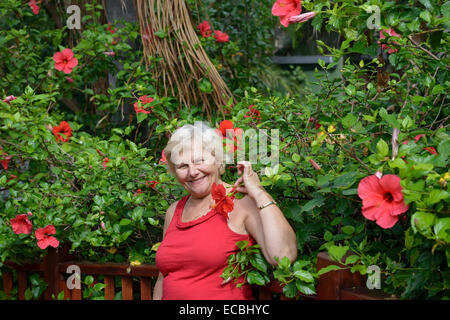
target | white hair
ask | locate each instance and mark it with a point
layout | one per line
(198, 134)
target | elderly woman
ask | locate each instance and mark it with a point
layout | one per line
(196, 240)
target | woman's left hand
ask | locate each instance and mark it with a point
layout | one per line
(248, 181)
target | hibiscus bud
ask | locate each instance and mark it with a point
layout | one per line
(394, 142)
(9, 98)
(314, 164)
(302, 17)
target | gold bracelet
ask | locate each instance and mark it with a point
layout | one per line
(267, 204)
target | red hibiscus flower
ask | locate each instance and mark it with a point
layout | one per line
(63, 128)
(44, 238)
(163, 159)
(223, 202)
(105, 161)
(151, 184)
(140, 106)
(391, 33)
(221, 36)
(416, 139)
(430, 150)
(12, 177)
(382, 199)
(4, 160)
(286, 9)
(34, 6)
(205, 29)
(65, 60)
(110, 29)
(253, 113)
(21, 224)
(235, 133)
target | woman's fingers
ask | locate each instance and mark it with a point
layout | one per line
(244, 167)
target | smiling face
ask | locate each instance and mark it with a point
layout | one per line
(196, 171)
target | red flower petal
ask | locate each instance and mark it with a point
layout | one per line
(386, 221)
(221, 36)
(48, 241)
(224, 126)
(21, 224)
(431, 150)
(391, 183)
(67, 53)
(218, 192)
(417, 138)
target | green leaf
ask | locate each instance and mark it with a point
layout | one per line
(259, 262)
(61, 295)
(351, 259)
(311, 204)
(348, 229)
(290, 290)
(300, 264)
(426, 15)
(137, 213)
(435, 196)
(328, 236)
(345, 180)
(141, 116)
(389, 118)
(349, 120)
(242, 244)
(89, 280)
(304, 275)
(295, 158)
(125, 222)
(307, 289)
(337, 252)
(442, 229)
(284, 263)
(308, 181)
(321, 63)
(331, 267)
(444, 147)
(161, 34)
(422, 221)
(382, 148)
(254, 277)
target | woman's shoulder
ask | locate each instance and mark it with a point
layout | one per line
(170, 213)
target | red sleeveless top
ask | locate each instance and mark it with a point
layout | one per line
(193, 255)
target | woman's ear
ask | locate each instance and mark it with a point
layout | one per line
(221, 169)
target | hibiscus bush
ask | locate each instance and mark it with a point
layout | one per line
(61, 150)
(363, 160)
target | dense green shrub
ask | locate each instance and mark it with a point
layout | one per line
(387, 113)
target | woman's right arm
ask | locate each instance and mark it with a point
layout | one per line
(157, 291)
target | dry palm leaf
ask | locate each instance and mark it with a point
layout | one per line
(168, 33)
